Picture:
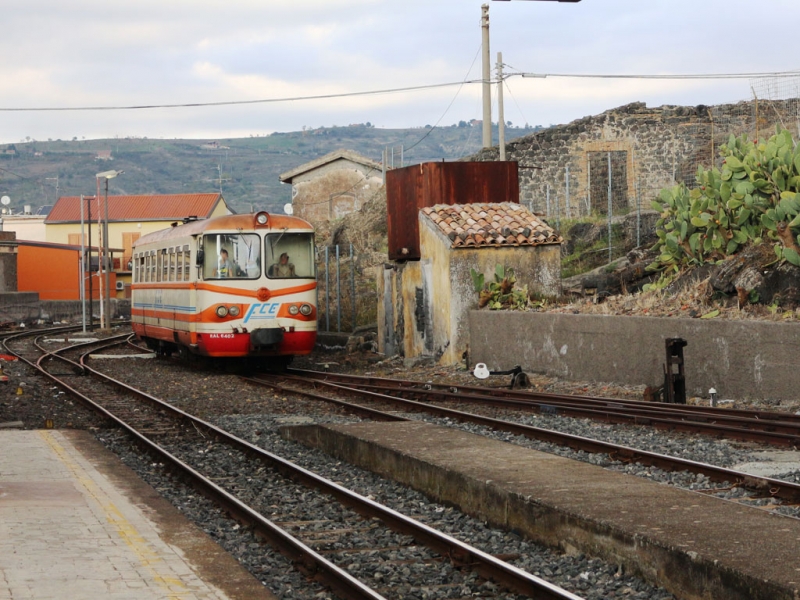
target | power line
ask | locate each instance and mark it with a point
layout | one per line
(779, 74)
(449, 106)
(708, 76)
(241, 102)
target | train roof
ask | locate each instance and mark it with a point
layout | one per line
(230, 223)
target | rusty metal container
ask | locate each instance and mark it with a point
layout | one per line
(427, 184)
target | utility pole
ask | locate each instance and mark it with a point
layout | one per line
(219, 178)
(487, 86)
(501, 131)
(53, 179)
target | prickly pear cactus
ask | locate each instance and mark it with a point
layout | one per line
(752, 199)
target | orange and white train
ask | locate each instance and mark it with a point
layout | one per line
(239, 286)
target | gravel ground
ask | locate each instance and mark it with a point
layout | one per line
(254, 414)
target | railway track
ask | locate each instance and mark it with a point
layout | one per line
(202, 453)
(384, 399)
(765, 427)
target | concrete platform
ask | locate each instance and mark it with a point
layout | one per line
(76, 524)
(696, 546)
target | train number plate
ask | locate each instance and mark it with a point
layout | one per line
(221, 336)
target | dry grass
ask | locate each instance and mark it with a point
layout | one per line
(694, 302)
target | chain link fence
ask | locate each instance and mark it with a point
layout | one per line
(346, 290)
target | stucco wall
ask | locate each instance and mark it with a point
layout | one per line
(27, 227)
(399, 330)
(425, 304)
(741, 359)
(538, 267)
(453, 291)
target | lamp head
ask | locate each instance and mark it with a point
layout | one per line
(109, 174)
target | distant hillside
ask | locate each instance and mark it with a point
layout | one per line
(35, 173)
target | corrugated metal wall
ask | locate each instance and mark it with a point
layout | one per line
(426, 184)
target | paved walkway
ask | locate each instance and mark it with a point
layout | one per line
(67, 532)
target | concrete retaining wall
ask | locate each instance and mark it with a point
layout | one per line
(72, 310)
(19, 307)
(741, 359)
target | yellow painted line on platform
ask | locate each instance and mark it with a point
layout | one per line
(124, 528)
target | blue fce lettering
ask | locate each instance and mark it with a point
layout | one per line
(262, 310)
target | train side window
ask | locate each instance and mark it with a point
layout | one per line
(147, 267)
(187, 264)
(142, 269)
(178, 264)
(172, 265)
(164, 260)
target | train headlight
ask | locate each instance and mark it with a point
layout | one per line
(233, 311)
(222, 312)
(262, 218)
(293, 310)
(305, 309)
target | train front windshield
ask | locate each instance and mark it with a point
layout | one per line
(232, 256)
(289, 255)
(239, 256)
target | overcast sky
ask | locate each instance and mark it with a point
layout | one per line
(87, 53)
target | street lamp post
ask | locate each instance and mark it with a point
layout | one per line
(105, 303)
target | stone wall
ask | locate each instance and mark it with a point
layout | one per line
(651, 148)
(333, 191)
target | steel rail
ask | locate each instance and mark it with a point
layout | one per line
(553, 397)
(777, 433)
(753, 431)
(312, 563)
(773, 487)
(326, 572)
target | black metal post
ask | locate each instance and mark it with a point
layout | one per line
(674, 375)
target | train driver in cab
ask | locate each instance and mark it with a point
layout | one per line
(225, 266)
(282, 268)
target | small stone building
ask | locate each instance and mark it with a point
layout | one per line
(425, 306)
(333, 185)
(625, 156)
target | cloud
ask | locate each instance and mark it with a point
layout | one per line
(89, 53)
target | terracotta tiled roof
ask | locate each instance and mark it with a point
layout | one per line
(161, 207)
(492, 225)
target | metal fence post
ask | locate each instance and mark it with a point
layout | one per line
(327, 290)
(353, 282)
(588, 186)
(339, 291)
(610, 206)
(547, 212)
(638, 212)
(558, 215)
